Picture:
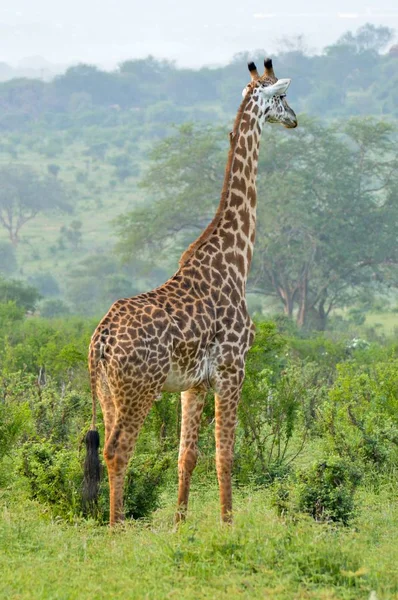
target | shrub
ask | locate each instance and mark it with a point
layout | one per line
(8, 261)
(54, 307)
(145, 476)
(24, 296)
(55, 476)
(326, 491)
(277, 414)
(360, 419)
(15, 422)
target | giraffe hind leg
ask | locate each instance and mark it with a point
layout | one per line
(108, 412)
(192, 402)
(119, 448)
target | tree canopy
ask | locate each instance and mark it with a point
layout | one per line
(24, 194)
(327, 219)
(343, 80)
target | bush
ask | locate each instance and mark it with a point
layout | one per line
(55, 477)
(45, 283)
(326, 491)
(24, 296)
(15, 422)
(10, 314)
(8, 261)
(53, 307)
(360, 419)
(277, 414)
(143, 485)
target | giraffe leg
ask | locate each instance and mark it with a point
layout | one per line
(118, 450)
(108, 409)
(192, 402)
(226, 407)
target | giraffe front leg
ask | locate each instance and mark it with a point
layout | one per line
(226, 404)
(192, 402)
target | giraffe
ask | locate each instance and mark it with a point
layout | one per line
(192, 333)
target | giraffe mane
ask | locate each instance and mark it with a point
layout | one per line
(204, 236)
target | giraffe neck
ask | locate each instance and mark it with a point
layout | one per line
(232, 231)
(236, 229)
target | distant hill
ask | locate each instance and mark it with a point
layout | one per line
(349, 78)
(33, 67)
(92, 130)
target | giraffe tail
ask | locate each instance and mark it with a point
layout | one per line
(92, 465)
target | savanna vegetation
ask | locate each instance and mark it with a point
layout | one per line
(106, 178)
(315, 473)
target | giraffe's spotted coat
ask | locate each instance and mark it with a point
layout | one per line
(192, 333)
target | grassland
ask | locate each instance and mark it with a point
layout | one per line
(261, 556)
(95, 194)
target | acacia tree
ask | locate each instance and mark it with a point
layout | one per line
(327, 222)
(327, 213)
(24, 194)
(181, 190)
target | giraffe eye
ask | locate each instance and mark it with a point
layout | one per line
(282, 96)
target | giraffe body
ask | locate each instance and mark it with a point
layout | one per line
(192, 333)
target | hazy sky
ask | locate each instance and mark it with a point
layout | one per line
(192, 33)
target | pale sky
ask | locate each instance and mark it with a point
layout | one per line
(106, 32)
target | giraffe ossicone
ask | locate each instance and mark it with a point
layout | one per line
(192, 333)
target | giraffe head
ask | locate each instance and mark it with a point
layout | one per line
(269, 95)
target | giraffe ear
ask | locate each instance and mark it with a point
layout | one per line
(244, 91)
(278, 88)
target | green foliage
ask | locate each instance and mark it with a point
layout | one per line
(15, 422)
(58, 347)
(10, 313)
(45, 283)
(13, 290)
(71, 236)
(361, 414)
(184, 179)
(55, 477)
(326, 491)
(144, 480)
(320, 349)
(8, 261)
(100, 277)
(278, 408)
(24, 194)
(53, 308)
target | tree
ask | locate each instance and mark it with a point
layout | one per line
(72, 235)
(181, 187)
(23, 295)
(97, 281)
(53, 169)
(368, 37)
(327, 214)
(8, 262)
(24, 194)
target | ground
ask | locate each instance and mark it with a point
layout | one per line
(260, 556)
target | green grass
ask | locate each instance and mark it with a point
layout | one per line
(384, 322)
(96, 204)
(260, 556)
